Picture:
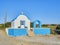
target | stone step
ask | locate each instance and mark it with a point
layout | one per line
(30, 33)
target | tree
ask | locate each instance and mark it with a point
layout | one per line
(45, 25)
(8, 24)
(53, 24)
(57, 29)
(31, 24)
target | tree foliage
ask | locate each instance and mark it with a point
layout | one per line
(45, 25)
(31, 24)
(57, 29)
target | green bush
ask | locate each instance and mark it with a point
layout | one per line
(58, 27)
(31, 24)
(57, 31)
(45, 25)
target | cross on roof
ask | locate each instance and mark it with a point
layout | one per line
(22, 13)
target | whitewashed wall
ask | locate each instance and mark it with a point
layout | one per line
(16, 22)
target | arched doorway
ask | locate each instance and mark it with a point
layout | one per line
(37, 24)
(22, 23)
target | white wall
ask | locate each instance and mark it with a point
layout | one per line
(16, 22)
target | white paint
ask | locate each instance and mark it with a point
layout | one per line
(7, 31)
(16, 22)
(22, 26)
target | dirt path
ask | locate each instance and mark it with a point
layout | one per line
(35, 40)
(5, 40)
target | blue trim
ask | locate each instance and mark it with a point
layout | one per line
(34, 24)
(22, 21)
(18, 16)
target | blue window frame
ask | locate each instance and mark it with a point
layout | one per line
(22, 22)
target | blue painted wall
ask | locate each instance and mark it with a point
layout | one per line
(17, 32)
(41, 31)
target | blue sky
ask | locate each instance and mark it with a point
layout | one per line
(47, 11)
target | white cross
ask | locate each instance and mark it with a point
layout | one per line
(22, 13)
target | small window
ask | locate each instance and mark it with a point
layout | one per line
(22, 22)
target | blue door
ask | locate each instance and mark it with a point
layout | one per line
(22, 22)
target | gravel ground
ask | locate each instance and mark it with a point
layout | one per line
(24, 40)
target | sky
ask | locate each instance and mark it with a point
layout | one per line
(47, 11)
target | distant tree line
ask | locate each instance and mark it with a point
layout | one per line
(57, 29)
(6, 25)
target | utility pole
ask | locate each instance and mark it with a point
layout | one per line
(5, 17)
